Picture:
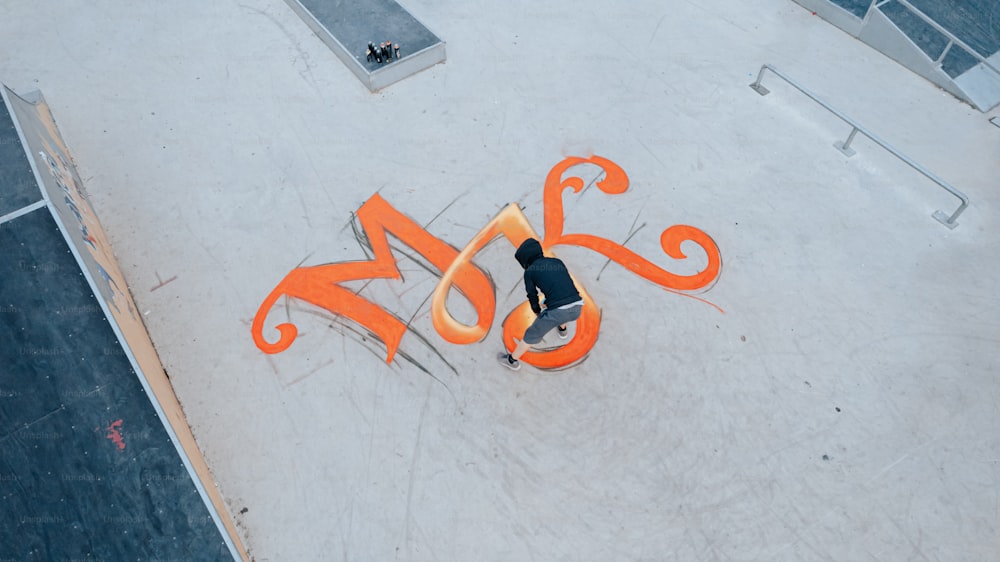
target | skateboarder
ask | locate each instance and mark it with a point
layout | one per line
(563, 302)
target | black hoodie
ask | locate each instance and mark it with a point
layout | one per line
(548, 275)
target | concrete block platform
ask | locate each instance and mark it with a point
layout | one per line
(348, 27)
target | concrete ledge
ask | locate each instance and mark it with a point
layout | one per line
(981, 85)
(347, 27)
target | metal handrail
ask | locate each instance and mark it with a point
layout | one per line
(845, 147)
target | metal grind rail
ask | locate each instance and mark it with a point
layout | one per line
(845, 147)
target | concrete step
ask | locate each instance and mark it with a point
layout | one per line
(981, 84)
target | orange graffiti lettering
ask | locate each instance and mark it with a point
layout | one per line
(513, 225)
(320, 285)
(616, 182)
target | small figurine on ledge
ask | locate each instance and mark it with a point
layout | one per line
(382, 53)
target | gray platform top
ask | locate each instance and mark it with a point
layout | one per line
(87, 470)
(18, 188)
(354, 24)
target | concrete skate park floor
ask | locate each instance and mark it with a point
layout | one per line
(835, 397)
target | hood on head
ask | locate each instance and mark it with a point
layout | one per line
(529, 251)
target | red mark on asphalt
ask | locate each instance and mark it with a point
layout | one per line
(115, 435)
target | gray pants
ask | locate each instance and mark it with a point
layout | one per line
(548, 319)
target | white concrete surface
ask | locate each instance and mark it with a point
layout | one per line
(843, 407)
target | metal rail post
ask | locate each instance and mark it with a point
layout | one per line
(942, 217)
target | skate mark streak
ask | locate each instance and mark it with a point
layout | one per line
(162, 282)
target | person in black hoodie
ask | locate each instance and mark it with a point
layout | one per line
(563, 302)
